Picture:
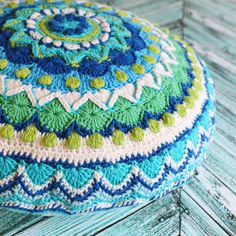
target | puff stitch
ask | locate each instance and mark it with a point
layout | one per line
(99, 108)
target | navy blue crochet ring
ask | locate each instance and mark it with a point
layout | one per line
(99, 108)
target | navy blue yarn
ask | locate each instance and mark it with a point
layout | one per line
(4, 36)
(59, 18)
(98, 185)
(131, 28)
(20, 55)
(93, 68)
(127, 159)
(54, 65)
(136, 42)
(114, 124)
(120, 58)
(55, 24)
(61, 210)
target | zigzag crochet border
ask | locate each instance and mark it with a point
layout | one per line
(61, 208)
(104, 99)
(98, 181)
(193, 154)
(46, 159)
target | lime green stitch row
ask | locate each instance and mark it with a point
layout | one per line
(121, 76)
(154, 38)
(105, 8)
(45, 80)
(88, 4)
(97, 83)
(73, 141)
(30, 1)
(22, 73)
(12, 5)
(137, 134)
(13, 42)
(154, 49)
(96, 140)
(181, 109)
(29, 135)
(150, 59)
(118, 137)
(146, 29)
(49, 140)
(96, 31)
(122, 13)
(72, 82)
(154, 125)
(96, 119)
(138, 69)
(7, 132)
(3, 64)
(13, 22)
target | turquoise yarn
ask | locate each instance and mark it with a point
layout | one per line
(99, 108)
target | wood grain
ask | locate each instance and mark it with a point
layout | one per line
(206, 204)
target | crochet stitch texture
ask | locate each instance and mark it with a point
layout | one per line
(99, 108)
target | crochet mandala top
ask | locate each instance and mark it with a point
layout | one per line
(99, 108)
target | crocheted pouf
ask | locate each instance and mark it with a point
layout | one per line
(98, 108)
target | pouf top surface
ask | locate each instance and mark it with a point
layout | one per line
(85, 69)
(95, 96)
(100, 48)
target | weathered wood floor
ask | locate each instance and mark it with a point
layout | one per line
(206, 205)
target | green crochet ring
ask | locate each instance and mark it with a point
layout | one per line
(99, 108)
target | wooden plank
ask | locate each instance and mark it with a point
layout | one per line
(81, 224)
(195, 221)
(212, 46)
(159, 218)
(164, 211)
(214, 198)
(154, 10)
(11, 221)
(222, 10)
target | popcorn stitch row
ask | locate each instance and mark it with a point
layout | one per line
(136, 134)
(136, 148)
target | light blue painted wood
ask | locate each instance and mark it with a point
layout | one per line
(215, 198)
(83, 224)
(162, 215)
(159, 218)
(207, 202)
(210, 27)
(11, 221)
(196, 221)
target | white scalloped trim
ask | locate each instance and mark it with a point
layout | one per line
(36, 16)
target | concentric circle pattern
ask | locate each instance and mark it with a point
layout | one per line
(99, 108)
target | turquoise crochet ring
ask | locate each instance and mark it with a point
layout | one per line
(99, 108)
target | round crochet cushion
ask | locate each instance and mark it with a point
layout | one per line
(98, 108)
